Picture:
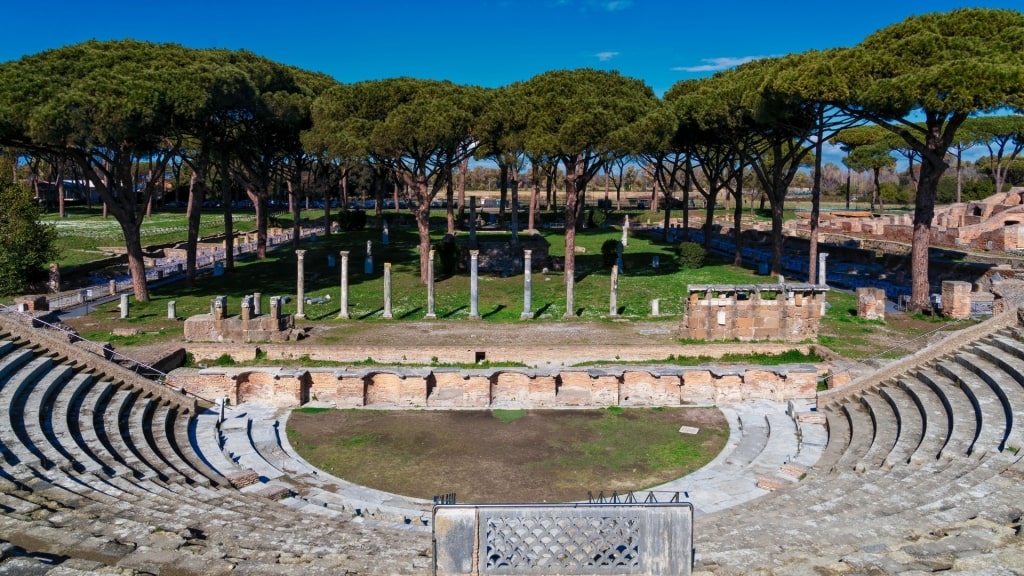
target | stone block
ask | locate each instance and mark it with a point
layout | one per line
(871, 303)
(956, 299)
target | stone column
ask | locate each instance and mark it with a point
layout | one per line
(656, 307)
(430, 285)
(625, 231)
(112, 286)
(570, 296)
(275, 307)
(387, 290)
(822, 279)
(368, 263)
(527, 285)
(343, 313)
(472, 221)
(124, 306)
(300, 285)
(385, 235)
(257, 303)
(172, 312)
(613, 297)
(474, 294)
(246, 316)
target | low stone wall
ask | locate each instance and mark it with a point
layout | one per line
(787, 312)
(502, 388)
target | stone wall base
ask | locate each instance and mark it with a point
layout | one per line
(501, 388)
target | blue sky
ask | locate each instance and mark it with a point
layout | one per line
(486, 42)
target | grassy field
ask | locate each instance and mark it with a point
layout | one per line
(508, 455)
(500, 298)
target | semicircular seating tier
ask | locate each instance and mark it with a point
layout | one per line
(922, 471)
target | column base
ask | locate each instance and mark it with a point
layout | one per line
(430, 316)
(526, 316)
(344, 316)
(300, 316)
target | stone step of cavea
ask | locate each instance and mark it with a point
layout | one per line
(243, 479)
(793, 470)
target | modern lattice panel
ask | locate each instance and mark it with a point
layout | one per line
(647, 539)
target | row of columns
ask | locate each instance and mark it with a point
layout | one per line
(474, 291)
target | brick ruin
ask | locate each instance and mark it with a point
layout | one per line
(995, 223)
(501, 388)
(249, 326)
(786, 312)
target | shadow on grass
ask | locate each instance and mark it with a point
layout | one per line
(543, 310)
(372, 313)
(410, 313)
(453, 312)
(497, 309)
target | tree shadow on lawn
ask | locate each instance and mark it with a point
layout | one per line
(453, 312)
(497, 309)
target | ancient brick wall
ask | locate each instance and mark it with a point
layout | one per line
(787, 312)
(503, 388)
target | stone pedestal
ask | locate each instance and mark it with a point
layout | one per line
(570, 295)
(430, 286)
(822, 257)
(300, 284)
(387, 290)
(474, 280)
(112, 286)
(527, 285)
(124, 306)
(656, 307)
(956, 299)
(343, 313)
(257, 303)
(871, 303)
(172, 312)
(613, 296)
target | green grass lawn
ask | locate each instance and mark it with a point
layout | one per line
(500, 298)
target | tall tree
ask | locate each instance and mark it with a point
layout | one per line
(579, 118)
(1003, 136)
(109, 108)
(420, 129)
(941, 67)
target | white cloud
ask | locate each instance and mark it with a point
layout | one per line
(613, 5)
(606, 56)
(716, 64)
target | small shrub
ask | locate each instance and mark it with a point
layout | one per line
(609, 252)
(448, 253)
(691, 255)
(350, 220)
(224, 360)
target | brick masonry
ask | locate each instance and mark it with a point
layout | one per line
(501, 388)
(786, 312)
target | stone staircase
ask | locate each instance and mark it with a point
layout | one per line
(923, 472)
(100, 468)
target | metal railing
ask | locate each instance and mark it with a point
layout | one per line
(164, 268)
(629, 497)
(108, 353)
(905, 344)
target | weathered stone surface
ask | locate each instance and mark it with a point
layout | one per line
(787, 312)
(870, 303)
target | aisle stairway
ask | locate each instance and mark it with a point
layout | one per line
(99, 467)
(923, 472)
